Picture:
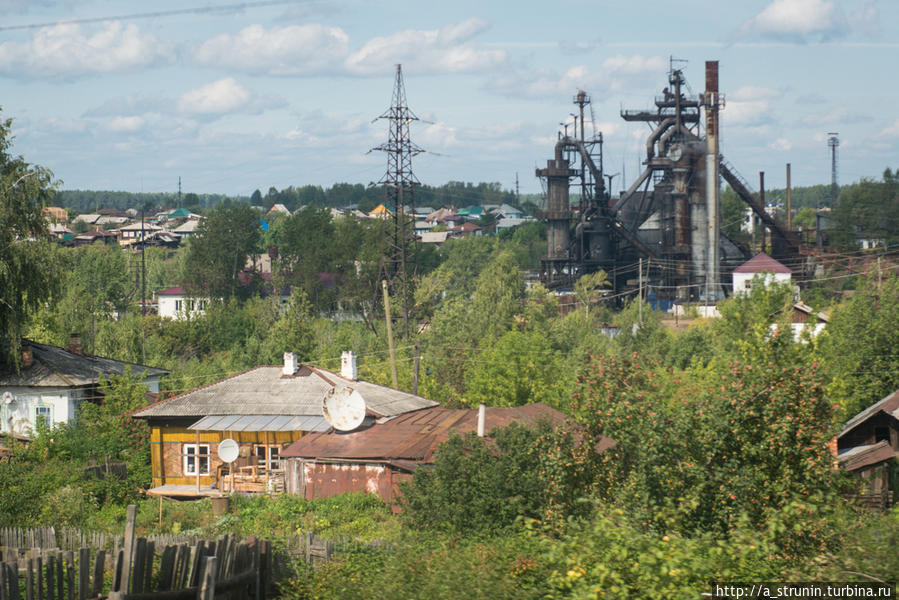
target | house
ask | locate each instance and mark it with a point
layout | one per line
(59, 231)
(136, 231)
(53, 382)
(187, 229)
(378, 457)
(466, 229)
(263, 410)
(505, 211)
(868, 445)
(761, 264)
(278, 209)
(176, 303)
(382, 211)
(55, 214)
(434, 237)
(89, 237)
(804, 318)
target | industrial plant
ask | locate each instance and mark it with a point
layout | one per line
(664, 230)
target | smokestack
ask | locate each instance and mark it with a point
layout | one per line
(348, 365)
(27, 356)
(482, 419)
(290, 363)
(711, 173)
(789, 203)
(75, 344)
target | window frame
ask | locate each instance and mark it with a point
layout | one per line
(190, 454)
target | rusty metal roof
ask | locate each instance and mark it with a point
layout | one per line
(266, 391)
(58, 367)
(415, 436)
(888, 405)
(860, 457)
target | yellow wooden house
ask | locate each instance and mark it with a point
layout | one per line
(264, 410)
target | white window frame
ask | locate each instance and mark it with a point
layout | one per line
(189, 453)
(264, 457)
(43, 410)
(179, 304)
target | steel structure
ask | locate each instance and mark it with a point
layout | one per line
(669, 214)
(398, 259)
(833, 142)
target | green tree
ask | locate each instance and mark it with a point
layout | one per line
(218, 252)
(26, 271)
(588, 289)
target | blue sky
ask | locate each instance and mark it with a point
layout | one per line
(234, 98)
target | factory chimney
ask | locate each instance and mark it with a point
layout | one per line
(711, 163)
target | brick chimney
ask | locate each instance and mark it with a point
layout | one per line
(27, 356)
(75, 344)
(290, 364)
(348, 368)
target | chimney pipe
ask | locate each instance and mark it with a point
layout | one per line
(75, 344)
(482, 419)
(712, 102)
(290, 363)
(348, 365)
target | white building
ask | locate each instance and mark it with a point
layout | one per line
(175, 303)
(760, 264)
(54, 382)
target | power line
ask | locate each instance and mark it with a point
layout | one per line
(224, 8)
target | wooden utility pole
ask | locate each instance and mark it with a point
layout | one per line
(415, 366)
(389, 333)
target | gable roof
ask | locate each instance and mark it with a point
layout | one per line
(58, 367)
(860, 457)
(888, 405)
(762, 263)
(267, 391)
(414, 436)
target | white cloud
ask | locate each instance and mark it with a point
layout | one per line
(750, 106)
(633, 65)
(216, 98)
(70, 51)
(797, 21)
(449, 49)
(437, 135)
(892, 130)
(751, 93)
(781, 145)
(291, 50)
(125, 124)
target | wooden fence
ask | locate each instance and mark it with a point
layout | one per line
(35, 567)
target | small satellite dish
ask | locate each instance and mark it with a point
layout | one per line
(8, 398)
(344, 408)
(229, 450)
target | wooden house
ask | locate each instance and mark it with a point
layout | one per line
(263, 410)
(868, 445)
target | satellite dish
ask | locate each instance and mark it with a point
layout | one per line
(8, 398)
(344, 409)
(229, 450)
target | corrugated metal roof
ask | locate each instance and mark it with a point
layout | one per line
(57, 367)
(416, 435)
(267, 391)
(260, 423)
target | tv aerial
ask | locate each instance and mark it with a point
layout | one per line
(344, 408)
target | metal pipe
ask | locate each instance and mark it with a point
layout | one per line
(711, 163)
(789, 203)
(482, 419)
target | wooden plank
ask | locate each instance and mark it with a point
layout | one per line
(50, 574)
(194, 578)
(84, 572)
(70, 574)
(4, 584)
(207, 587)
(99, 570)
(60, 579)
(117, 575)
(29, 579)
(167, 568)
(14, 580)
(137, 570)
(128, 550)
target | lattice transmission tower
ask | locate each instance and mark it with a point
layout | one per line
(398, 260)
(833, 142)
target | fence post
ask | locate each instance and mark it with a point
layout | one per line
(207, 588)
(127, 555)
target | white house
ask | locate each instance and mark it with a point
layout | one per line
(54, 382)
(175, 303)
(760, 264)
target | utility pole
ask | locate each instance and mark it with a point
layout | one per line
(398, 258)
(389, 333)
(640, 294)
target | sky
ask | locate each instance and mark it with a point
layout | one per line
(233, 97)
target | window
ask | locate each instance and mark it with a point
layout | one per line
(178, 305)
(191, 456)
(269, 459)
(747, 284)
(42, 416)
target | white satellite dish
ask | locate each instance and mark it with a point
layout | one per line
(344, 409)
(229, 450)
(8, 398)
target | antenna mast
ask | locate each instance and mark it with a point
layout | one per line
(833, 142)
(398, 260)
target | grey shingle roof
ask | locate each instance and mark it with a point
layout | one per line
(57, 367)
(266, 391)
